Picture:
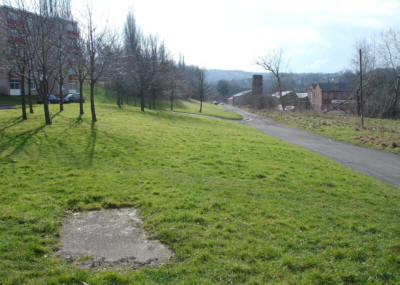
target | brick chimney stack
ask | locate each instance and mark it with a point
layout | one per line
(257, 88)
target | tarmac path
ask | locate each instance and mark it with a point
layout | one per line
(379, 164)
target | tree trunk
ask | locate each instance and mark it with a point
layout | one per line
(60, 90)
(81, 112)
(396, 98)
(46, 111)
(127, 99)
(23, 103)
(172, 100)
(142, 101)
(92, 107)
(201, 103)
(30, 95)
(119, 100)
(280, 93)
(45, 98)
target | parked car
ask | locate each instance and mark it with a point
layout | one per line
(74, 98)
(52, 99)
(39, 99)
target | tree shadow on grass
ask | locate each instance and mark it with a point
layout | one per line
(21, 140)
(76, 122)
(12, 123)
(91, 143)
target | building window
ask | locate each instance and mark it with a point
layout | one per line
(13, 33)
(12, 16)
(73, 86)
(33, 85)
(15, 84)
(70, 27)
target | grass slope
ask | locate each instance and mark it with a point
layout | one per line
(379, 134)
(187, 106)
(105, 96)
(193, 106)
(235, 205)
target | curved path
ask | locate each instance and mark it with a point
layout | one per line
(379, 164)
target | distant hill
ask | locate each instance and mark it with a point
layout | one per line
(291, 81)
(214, 75)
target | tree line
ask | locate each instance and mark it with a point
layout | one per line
(144, 71)
(136, 66)
(380, 67)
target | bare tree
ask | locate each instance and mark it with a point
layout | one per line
(62, 60)
(273, 62)
(390, 52)
(42, 51)
(132, 53)
(143, 70)
(158, 70)
(366, 67)
(81, 67)
(99, 44)
(172, 79)
(30, 81)
(202, 87)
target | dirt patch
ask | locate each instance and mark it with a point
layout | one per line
(110, 239)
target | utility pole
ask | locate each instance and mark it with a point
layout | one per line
(361, 93)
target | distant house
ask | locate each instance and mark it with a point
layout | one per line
(293, 100)
(330, 96)
(239, 98)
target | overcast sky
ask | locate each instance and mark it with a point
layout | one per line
(317, 36)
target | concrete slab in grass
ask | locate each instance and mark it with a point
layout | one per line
(109, 239)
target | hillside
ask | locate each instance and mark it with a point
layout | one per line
(234, 205)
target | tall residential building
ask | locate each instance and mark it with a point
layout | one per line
(11, 39)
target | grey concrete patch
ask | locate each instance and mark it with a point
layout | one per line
(110, 239)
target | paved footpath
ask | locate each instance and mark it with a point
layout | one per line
(379, 164)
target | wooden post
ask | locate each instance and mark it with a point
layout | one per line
(361, 93)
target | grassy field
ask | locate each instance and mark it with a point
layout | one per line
(378, 133)
(188, 106)
(192, 106)
(103, 96)
(235, 205)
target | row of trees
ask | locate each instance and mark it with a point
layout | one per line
(144, 71)
(380, 68)
(49, 45)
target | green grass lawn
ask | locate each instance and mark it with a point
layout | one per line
(193, 106)
(379, 134)
(187, 106)
(235, 205)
